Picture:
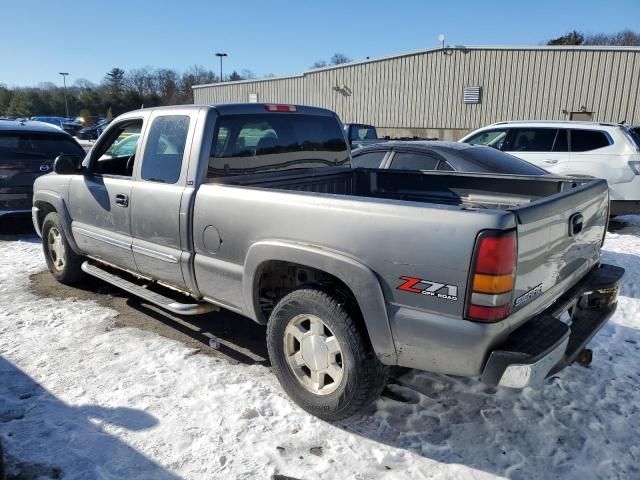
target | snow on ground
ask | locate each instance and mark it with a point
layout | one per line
(80, 399)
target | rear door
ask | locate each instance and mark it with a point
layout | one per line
(544, 147)
(24, 156)
(158, 210)
(559, 240)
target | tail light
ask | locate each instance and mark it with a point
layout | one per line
(492, 276)
(269, 107)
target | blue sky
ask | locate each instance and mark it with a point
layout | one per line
(87, 38)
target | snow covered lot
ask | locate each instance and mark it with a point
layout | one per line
(82, 399)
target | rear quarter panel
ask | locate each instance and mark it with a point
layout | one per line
(395, 239)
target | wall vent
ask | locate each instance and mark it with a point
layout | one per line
(471, 94)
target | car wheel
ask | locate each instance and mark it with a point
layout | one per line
(64, 264)
(322, 357)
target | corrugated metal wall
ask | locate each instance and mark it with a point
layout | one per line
(424, 90)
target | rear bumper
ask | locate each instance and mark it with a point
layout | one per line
(545, 345)
(15, 201)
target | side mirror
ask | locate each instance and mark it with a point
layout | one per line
(66, 164)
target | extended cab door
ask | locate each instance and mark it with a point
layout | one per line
(544, 147)
(159, 204)
(100, 199)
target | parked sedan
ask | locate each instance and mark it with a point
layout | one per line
(439, 155)
(27, 151)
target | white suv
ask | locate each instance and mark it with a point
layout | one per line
(591, 149)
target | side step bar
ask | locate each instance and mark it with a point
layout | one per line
(150, 296)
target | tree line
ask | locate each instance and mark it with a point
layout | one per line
(117, 93)
(623, 38)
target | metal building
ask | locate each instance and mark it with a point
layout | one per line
(447, 92)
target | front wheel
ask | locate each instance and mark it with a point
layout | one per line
(64, 264)
(321, 357)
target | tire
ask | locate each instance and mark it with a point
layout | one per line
(359, 375)
(64, 264)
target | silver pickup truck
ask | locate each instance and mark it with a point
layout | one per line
(255, 208)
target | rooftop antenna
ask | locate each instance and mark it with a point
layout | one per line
(441, 38)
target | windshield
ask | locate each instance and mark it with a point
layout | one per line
(25, 146)
(253, 143)
(491, 138)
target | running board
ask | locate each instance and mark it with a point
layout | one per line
(150, 296)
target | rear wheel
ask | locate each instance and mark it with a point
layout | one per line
(64, 264)
(321, 357)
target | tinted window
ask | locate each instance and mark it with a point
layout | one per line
(368, 159)
(532, 139)
(585, 140)
(27, 146)
(491, 138)
(363, 132)
(163, 152)
(414, 161)
(252, 143)
(484, 159)
(561, 144)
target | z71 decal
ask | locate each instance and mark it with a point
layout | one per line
(427, 287)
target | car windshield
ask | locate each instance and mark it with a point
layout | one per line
(252, 143)
(486, 159)
(26, 146)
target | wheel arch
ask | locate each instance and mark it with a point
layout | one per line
(46, 202)
(361, 282)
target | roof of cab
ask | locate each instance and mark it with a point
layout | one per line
(30, 126)
(242, 108)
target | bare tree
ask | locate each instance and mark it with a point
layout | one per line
(339, 59)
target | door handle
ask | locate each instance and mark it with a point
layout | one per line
(122, 200)
(551, 161)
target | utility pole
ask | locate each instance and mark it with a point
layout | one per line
(64, 80)
(220, 54)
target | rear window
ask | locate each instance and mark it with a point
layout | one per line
(585, 140)
(252, 143)
(483, 159)
(27, 146)
(363, 132)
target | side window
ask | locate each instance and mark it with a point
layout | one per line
(414, 161)
(369, 159)
(116, 154)
(162, 159)
(532, 140)
(443, 165)
(586, 140)
(561, 144)
(491, 138)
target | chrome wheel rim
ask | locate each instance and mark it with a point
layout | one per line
(313, 354)
(56, 248)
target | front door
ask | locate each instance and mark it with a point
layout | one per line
(99, 200)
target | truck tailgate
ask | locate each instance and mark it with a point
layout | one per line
(559, 240)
